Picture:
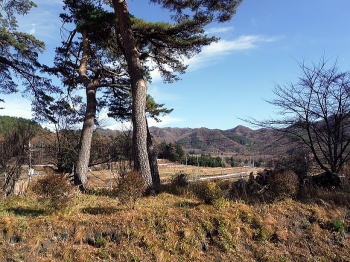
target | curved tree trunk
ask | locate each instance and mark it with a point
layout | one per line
(139, 91)
(152, 154)
(82, 165)
(86, 138)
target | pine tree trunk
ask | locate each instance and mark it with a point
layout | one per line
(139, 91)
(152, 154)
(82, 166)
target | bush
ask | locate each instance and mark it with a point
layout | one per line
(179, 184)
(338, 225)
(56, 188)
(130, 188)
(283, 184)
(208, 192)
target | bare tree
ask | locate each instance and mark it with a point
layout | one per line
(13, 152)
(316, 110)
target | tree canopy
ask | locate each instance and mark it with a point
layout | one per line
(19, 52)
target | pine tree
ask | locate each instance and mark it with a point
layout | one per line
(203, 12)
(84, 61)
(19, 52)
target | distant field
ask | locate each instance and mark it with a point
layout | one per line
(167, 170)
(104, 178)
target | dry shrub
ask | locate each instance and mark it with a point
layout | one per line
(56, 188)
(284, 183)
(266, 186)
(130, 188)
(179, 184)
(312, 193)
(208, 192)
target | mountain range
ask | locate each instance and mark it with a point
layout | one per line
(239, 140)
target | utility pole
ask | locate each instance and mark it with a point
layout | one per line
(197, 164)
(110, 173)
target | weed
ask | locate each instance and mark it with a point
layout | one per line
(208, 192)
(179, 184)
(262, 234)
(130, 188)
(305, 224)
(225, 237)
(221, 203)
(338, 225)
(55, 188)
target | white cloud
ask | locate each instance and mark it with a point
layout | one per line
(32, 31)
(217, 50)
(162, 93)
(43, 21)
(226, 47)
(219, 30)
(165, 121)
(122, 126)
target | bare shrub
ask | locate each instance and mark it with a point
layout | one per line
(179, 184)
(297, 160)
(283, 184)
(130, 188)
(56, 188)
(266, 186)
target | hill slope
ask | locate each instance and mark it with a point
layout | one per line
(240, 139)
(171, 228)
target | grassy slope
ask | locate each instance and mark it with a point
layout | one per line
(171, 228)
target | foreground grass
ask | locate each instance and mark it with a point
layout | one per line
(173, 228)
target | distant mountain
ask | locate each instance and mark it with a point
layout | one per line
(8, 123)
(107, 132)
(240, 139)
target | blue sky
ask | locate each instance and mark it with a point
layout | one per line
(231, 79)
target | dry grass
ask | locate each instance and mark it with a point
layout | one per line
(167, 172)
(172, 228)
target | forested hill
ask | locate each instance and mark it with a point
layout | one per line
(9, 123)
(240, 139)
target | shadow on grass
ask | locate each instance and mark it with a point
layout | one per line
(27, 212)
(186, 204)
(100, 210)
(102, 192)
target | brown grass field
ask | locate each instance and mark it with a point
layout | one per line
(104, 178)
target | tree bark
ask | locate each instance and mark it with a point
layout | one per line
(152, 153)
(82, 166)
(139, 91)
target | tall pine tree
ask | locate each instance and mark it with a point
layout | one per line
(196, 10)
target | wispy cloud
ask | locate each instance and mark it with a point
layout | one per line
(43, 21)
(32, 31)
(217, 50)
(161, 93)
(165, 121)
(219, 30)
(224, 47)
